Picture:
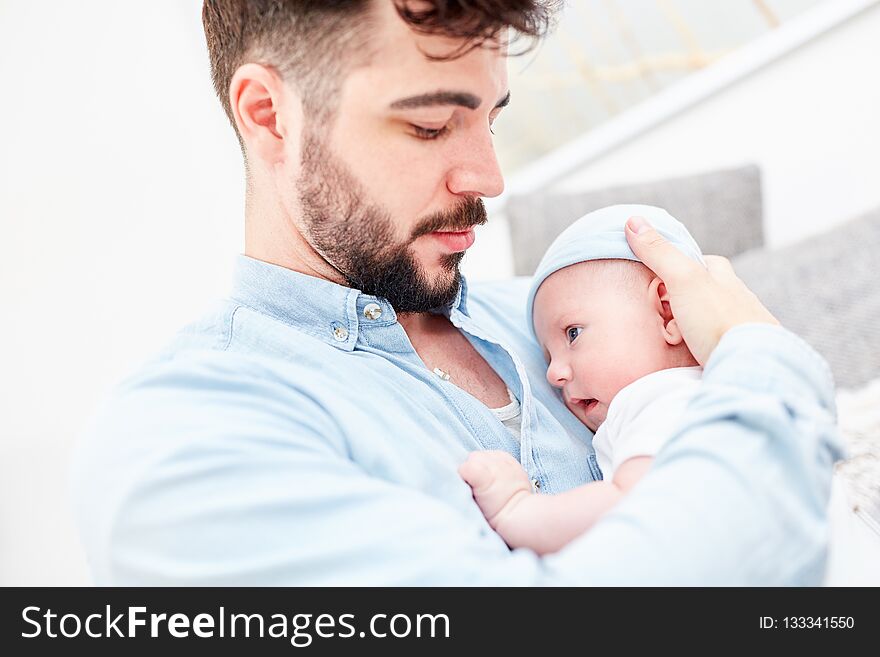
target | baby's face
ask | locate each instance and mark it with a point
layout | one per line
(600, 330)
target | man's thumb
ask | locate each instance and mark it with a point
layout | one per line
(655, 251)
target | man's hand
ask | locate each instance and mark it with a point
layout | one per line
(705, 303)
(498, 482)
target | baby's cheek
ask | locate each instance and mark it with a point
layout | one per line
(648, 356)
(627, 372)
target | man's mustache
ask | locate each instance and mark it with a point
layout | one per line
(469, 213)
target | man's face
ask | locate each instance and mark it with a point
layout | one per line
(390, 190)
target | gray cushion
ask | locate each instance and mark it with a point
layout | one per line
(722, 209)
(825, 290)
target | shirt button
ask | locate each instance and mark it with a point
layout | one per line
(372, 311)
(340, 334)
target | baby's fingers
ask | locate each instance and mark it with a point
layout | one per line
(482, 468)
(476, 472)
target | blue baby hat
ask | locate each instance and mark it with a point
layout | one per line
(600, 235)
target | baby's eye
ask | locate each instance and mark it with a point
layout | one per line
(572, 332)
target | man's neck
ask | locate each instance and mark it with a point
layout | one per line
(271, 235)
(420, 324)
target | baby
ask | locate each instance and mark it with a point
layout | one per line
(614, 350)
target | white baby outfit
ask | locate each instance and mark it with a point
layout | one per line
(643, 416)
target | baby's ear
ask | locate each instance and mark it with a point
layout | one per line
(660, 299)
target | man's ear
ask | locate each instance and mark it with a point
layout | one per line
(268, 114)
(660, 300)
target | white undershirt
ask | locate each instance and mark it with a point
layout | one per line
(510, 416)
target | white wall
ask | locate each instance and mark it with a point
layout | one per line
(121, 206)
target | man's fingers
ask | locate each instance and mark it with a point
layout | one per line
(719, 265)
(656, 252)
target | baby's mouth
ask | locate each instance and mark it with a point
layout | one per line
(586, 404)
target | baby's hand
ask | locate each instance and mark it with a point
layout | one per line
(498, 482)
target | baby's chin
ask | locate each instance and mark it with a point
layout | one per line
(595, 420)
(591, 415)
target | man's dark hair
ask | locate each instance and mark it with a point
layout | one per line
(314, 41)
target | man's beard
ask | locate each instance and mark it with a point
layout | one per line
(357, 237)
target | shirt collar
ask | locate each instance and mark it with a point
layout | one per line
(328, 311)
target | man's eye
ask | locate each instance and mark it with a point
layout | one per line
(429, 133)
(572, 332)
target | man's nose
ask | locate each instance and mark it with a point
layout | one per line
(558, 373)
(476, 171)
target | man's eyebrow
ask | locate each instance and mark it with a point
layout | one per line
(460, 98)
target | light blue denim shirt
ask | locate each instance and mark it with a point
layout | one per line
(294, 437)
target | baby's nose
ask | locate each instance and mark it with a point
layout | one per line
(558, 374)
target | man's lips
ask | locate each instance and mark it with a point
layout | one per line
(455, 241)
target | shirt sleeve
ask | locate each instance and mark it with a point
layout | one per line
(738, 495)
(272, 498)
(242, 480)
